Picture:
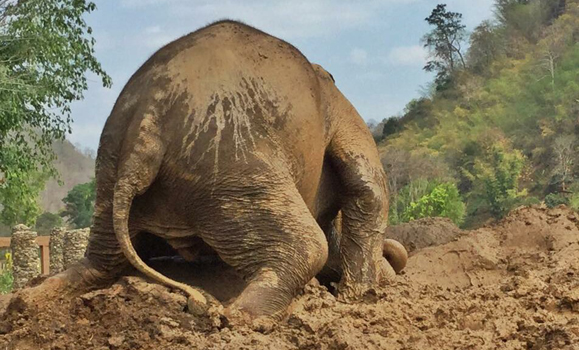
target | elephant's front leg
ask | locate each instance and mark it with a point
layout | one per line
(364, 207)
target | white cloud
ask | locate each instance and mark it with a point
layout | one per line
(158, 40)
(153, 30)
(371, 75)
(407, 56)
(359, 56)
(285, 19)
(144, 3)
(471, 10)
(154, 37)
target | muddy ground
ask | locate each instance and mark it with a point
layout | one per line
(513, 285)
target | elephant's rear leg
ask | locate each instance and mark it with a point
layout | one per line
(274, 242)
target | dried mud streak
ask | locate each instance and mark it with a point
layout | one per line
(523, 293)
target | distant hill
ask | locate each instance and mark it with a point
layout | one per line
(505, 127)
(75, 167)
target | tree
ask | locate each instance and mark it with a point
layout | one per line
(46, 222)
(564, 148)
(18, 202)
(444, 43)
(391, 126)
(485, 46)
(45, 49)
(80, 204)
(525, 18)
(556, 38)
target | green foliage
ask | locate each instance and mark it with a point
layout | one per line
(529, 201)
(46, 222)
(45, 50)
(7, 276)
(554, 199)
(19, 202)
(424, 198)
(486, 45)
(443, 201)
(497, 179)
(407, 195)
(444, 43)
(506, 126)
(80, 204)
(391, 126)
(574, 196)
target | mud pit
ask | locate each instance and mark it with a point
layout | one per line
(513, 285)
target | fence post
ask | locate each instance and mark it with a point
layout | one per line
(24, 255)
(56, 245)
(75, 242)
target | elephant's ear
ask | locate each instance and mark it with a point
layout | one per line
(323, 73)
(331, 76)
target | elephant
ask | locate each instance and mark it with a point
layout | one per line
(231, 138)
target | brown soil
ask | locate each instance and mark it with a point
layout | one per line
(513, 285)
(423, 233)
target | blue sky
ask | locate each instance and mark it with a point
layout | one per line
(371, 47)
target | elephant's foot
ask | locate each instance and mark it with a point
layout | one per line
(352, 289)
(263, 301)
(80, 278)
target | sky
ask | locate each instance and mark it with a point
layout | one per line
(371, 47)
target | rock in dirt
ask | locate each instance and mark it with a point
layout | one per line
(512, 285)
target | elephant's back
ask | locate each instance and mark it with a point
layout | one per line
(225, 97)
(248, 93)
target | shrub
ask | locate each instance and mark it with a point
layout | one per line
(554, 199)
(497, 179)
(6, 276)
(443, 201)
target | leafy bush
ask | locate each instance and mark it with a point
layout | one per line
(530, 200)
(6, 276)
(554, 199)
(443, 201)
(496, 179)
(408, 194)
(391, 126)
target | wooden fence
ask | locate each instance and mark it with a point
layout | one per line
(43, 243)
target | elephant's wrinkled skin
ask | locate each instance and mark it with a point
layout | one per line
(230, 136)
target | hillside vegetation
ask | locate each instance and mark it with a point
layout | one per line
(74, 167)
(500, 125)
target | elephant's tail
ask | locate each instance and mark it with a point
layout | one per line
(136, 173)
(395, 253)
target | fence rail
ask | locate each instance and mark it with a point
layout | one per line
(43, 244)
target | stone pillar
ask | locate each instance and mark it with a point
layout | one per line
(24, 255)
(75, 242)
(56, 246)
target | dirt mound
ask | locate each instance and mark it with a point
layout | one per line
(423, 233)
(513, 285)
